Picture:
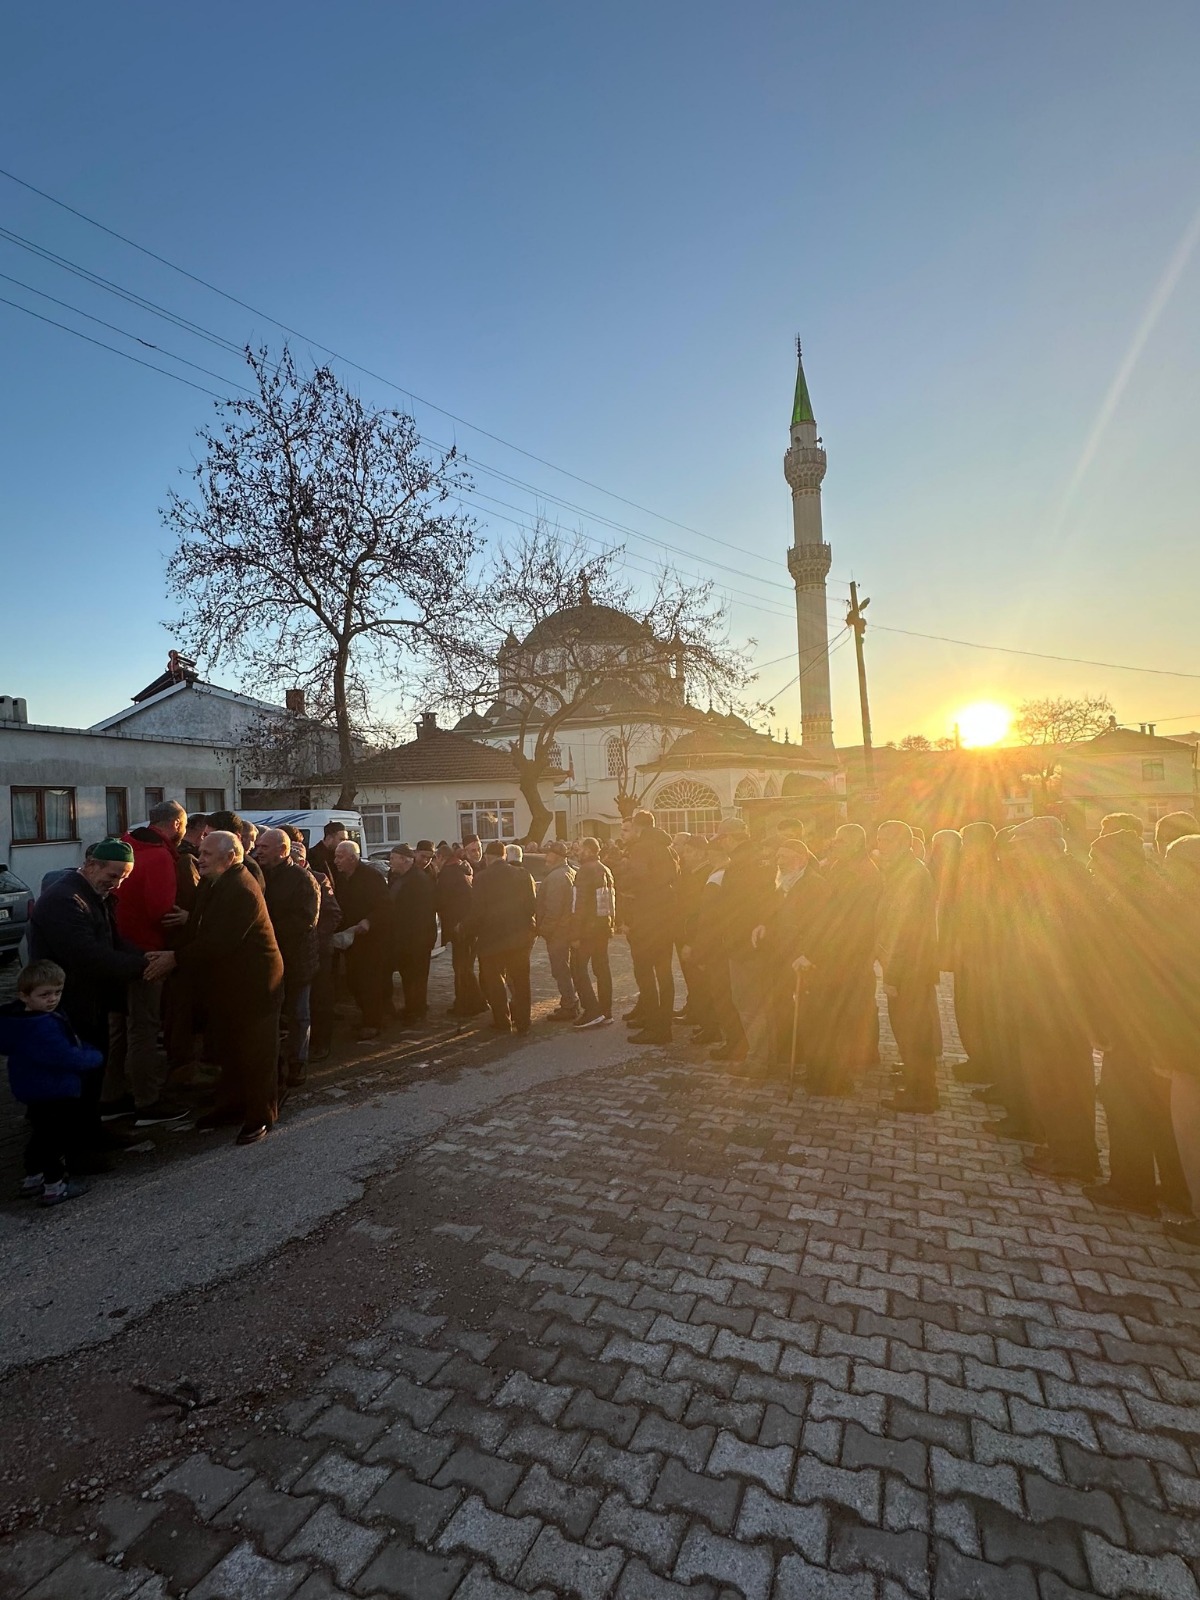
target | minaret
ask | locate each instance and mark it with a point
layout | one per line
(808, 563)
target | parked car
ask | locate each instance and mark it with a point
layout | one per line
(16, 900)
(310, 823)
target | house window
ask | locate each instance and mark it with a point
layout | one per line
(614, 757)
(203, 802)
(381, 824)
(152, 798)
(687, 807)
(43, 816)
(116, 812)
(1153, 772)
(490, 819)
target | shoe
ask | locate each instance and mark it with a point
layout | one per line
(1111, 1199)
(560, 1015)
(501, 1027)
(520, 1027)
(972, 1072)
(159, 1115)
(252, 1135)
(1009, 1128)
(636, 1017)
(295, 1079)
(650, 1035)
(364, 1034)
(1048, 1165)
(587, 1019)
(922, 1105)
(728, 1052)
(706, 1036)
(55, 1193)
(32, 1186)
(319, 1055)
(682, 1014)
(114, 1110)
(1184, 1230)
(991, 1094)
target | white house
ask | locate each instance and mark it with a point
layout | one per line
(62, 789)
(440, 785)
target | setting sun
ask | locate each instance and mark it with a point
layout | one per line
(985, 722)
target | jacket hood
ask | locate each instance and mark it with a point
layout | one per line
(145, 839)
(13, 1022)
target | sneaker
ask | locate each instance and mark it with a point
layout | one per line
(32, 1186)
(562, 1014)
(596, 1020)
(66, 1189)
(159, 1115)
(114, 1110)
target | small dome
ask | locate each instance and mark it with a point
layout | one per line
(594, 624)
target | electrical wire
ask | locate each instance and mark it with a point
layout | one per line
(1040, 655)
(29, 312)
(358, 367)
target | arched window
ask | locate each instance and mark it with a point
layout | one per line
(771, 790)
(615, 757)
(554, 755)
(687, 807)
(746, 790)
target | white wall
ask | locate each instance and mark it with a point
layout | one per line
(90, 763)
(430, 810)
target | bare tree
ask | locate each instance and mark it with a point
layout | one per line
(624, 741)
(1058, 719)
(319, 547)
(676, 639)
(915, 741)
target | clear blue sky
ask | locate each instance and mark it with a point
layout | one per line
(595, 231)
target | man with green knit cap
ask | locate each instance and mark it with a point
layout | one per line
(73, 923)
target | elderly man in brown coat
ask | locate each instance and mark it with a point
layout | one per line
(233, 968)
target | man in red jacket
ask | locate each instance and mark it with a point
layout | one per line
(137, 1068)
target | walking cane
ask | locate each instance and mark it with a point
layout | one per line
(795, 1036)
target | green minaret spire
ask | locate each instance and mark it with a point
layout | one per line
(802, 410)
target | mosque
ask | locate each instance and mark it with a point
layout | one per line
(637, 740)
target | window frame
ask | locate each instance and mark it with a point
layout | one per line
(200, 809)
(1154, 769)
(41, 790)
(148, 803)
(385, 811)
(121, 797)
(505, 812)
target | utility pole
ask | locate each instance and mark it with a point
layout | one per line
(856, 621)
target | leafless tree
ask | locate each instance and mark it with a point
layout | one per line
(915, 741)
(1058, 719)
(679, 633)
(319, 548)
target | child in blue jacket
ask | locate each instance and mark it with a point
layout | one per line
(45, 1065)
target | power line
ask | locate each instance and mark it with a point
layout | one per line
(198, 330)
(1040, 655)
(124, 332)
(830, 650)
(112, 347)
(358, 367)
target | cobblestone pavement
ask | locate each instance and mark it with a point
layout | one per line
(689, 1339)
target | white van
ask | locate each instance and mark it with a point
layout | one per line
(310, 823)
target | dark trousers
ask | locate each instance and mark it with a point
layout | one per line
(724, 1011)
(248, 1051)
(1140, 1135)
(596, 1002)
(413, 968)
(369, 970)
(504, 974)
(654, 975)
(321, 1003)
(558, 952)
(53, 1130)
(1058, 1084)
(911, 1014)
(853, 1019)
(468, 997)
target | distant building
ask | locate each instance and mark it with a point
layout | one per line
(439, 785)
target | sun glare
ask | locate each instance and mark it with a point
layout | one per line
(983, 723)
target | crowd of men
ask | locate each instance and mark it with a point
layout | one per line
(202, 939)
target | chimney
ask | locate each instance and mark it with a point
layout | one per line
(427, 724)
(12, 710)
(1150, 727)
(294, 701)
(1141, 727)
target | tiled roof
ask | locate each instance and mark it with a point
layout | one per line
(727, 741)
(438, 756)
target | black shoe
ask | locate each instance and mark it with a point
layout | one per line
(319, 1055)
(922, 1105)
(295, 1078)
(1184, 1230)
(1110, 1198)
(1010, 1128)
(650, 1035)
(215, 1119)
(114, 1110)
(636, 1017)
(563, 1014)
(365, 1034)
(159, 1115)
(501, 1027)
(252, 1135)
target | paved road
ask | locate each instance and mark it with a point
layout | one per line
(648, 1332)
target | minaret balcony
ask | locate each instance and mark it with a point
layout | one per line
(804, 466)
(809, 563)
